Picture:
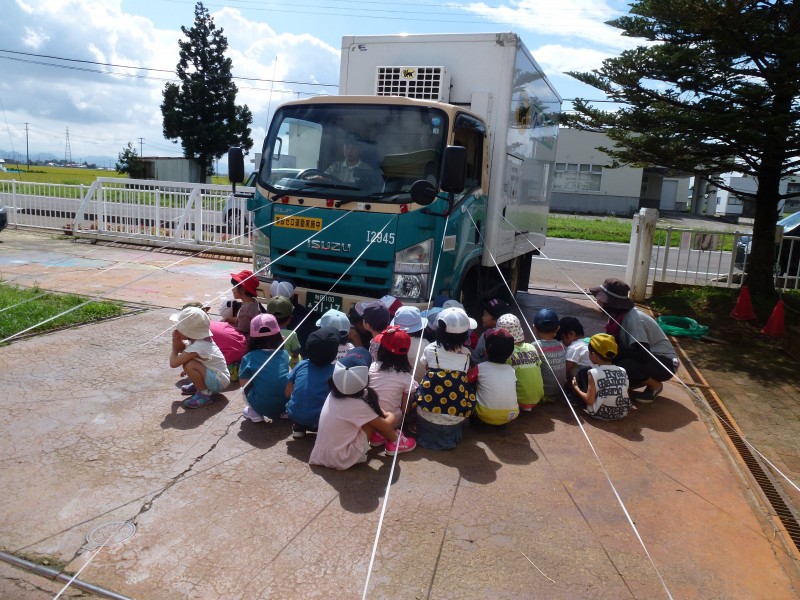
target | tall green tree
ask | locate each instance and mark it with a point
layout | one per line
(201, 111)
(715, 89)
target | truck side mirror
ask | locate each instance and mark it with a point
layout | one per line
(235, 164)
(423, 192)
(454, 169)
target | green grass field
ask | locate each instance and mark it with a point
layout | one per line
(61, 175)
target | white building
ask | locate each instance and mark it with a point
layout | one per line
(584, 183)
(715, 201)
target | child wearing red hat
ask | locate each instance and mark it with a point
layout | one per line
(245, 289)
(390, 376)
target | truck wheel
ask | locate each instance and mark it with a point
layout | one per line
(469, 294)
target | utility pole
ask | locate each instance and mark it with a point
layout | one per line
(27, 152)
(141, 140)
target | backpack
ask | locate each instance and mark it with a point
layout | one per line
(446, 391)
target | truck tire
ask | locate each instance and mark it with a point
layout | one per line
(469, 292)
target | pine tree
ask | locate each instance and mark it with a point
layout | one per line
(128, 161)
(716, 90)
(201, 111)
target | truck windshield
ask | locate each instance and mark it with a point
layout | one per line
(353, 151)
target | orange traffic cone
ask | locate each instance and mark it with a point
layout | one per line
(743, 311)
(775, 324)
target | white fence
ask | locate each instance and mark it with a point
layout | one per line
(159, 213)
(206, 216)
(700, 257)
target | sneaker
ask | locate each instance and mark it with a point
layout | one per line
(403, 444)
(298, 431)
(284, 415)
(188, 390)
(648, 395)
(197, 400)
(249, 413)
(376, 439)
(525, 407)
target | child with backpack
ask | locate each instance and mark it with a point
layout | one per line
(445, 398)
(350, 415)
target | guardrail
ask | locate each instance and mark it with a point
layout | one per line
(159, 213)
(715, 258)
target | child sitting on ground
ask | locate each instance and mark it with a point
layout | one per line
(264, 370)
(570, 333)
(496, 392)
(200, 358)
(526, 363)
(282, 308)
(410, 320)
(376, 319)
(390, 376)
(245, 288)
(606, 395)
(308, 381)
(445, 398)
(552, 353)
(339, 321)
(350, 415)
(492, 310)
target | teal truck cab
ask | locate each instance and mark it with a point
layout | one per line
(416, 181)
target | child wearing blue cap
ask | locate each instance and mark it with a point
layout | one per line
(552, 353)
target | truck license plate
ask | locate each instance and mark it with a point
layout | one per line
(326, 302)
(310, 223)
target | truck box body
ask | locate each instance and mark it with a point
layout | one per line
(494, 76)
(404, 100)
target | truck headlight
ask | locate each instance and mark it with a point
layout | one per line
(412, 266)
(261, 253)
(408, 286)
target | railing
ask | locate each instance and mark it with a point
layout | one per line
(715, 258)
(159, 213)
(40, 205)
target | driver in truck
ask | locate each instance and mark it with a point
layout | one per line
(344, 170)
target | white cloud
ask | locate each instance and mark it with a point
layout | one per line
(104, 111)
(34, 38)
(582, 19)
(556, 59)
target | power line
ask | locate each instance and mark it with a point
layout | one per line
(104, 64)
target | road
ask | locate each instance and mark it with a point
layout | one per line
(566, 265)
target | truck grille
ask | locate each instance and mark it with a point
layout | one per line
(320, 272)
(422, 83)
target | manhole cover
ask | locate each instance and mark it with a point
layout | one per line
(108, 534)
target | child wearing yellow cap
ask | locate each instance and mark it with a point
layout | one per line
(606, 395)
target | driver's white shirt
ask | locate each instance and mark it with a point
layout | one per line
(342, 171)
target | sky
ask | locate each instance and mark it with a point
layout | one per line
(98, 67)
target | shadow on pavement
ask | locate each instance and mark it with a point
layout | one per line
(264, 435)
(361, 487)
(185, 419)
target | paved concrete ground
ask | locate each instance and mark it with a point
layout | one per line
(92, 432)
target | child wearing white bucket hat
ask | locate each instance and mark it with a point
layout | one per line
(351, 414)
(445, 398)
(198, 355)
(526, 362)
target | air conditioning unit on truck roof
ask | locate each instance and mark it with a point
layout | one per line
(342, 223)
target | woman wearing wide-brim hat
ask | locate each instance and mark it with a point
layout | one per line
(645, 352)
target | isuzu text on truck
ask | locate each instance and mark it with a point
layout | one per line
(439, 150)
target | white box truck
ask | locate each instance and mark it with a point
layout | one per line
(439, 150)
